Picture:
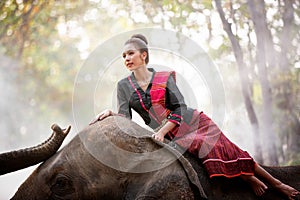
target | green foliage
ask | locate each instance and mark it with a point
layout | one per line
(295, 160)
(49, 63)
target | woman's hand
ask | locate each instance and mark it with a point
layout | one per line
(159, 136)
(102, 116)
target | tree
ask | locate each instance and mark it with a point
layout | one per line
(272, 64)
(41, 36)
(242, 67)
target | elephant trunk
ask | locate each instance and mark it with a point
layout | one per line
(20, 159)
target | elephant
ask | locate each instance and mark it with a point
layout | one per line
(116, 158)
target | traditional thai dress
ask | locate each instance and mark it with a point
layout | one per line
(194, 131)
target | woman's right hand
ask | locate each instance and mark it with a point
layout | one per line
(102, 116)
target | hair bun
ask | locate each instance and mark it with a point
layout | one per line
(141, 37)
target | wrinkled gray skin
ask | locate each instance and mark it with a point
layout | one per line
(76, 172)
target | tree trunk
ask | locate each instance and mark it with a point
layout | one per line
(257, 13)
(287, 107)
(286, 35)
(244, 82)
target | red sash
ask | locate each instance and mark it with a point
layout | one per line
(158, 94)
(158, 111)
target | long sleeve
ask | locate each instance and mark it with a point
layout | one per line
(175, 102)
(123, 101)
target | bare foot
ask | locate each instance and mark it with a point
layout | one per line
(290, 192)
(258, 186)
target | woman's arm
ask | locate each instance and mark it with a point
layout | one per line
(102, 116)
(123, 96)
(123, 106)
(163, 131)
(175, 102)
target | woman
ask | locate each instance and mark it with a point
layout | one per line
(156, 98)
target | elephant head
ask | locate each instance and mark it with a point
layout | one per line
(113, 159)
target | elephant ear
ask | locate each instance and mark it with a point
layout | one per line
(188, 168)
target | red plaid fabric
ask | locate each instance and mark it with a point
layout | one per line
(158, 91)
(219, 155)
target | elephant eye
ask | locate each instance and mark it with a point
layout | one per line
(61, 183)
(62, 186)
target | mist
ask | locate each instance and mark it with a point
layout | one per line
(21, 124)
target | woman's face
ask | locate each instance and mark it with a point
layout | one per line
(133, 58)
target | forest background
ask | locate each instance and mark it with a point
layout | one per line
(253, 43)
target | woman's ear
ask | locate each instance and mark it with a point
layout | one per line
(144, 55)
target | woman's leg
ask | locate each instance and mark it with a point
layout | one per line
(258, 186)
(285, 189)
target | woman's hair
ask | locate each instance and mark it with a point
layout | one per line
(140, 42)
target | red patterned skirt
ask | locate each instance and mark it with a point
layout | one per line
(219, 155)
